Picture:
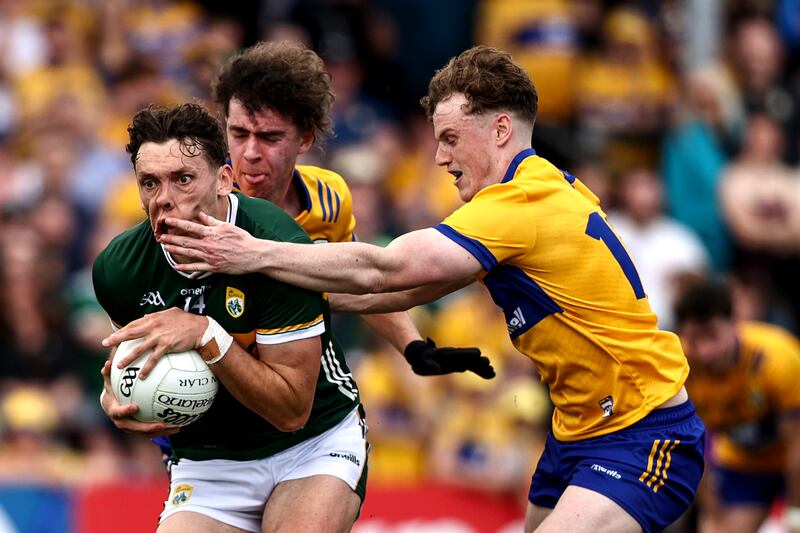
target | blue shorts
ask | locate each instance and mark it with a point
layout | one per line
(651, 469)
(734, 487)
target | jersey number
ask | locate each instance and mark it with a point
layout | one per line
(598, 228)
(200, 304)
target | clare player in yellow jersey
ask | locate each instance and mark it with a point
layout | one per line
(626, 450)
(745, 383)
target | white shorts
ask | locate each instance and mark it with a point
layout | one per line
(236, 492)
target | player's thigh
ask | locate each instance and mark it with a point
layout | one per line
(581, 510)
(196, 523)
(323, 504)
(534, 516)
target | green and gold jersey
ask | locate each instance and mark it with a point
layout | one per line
(133, 276)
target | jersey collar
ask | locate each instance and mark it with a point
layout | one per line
(302, 190)
(512, 168)
(233, 209)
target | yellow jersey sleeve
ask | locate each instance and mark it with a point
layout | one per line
(327, 214)
(781, 374)
(485, 225)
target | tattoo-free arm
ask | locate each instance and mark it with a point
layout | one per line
(279, 385)
(394, 301)
(418, 258)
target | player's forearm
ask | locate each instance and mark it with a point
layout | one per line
(280, 396)
(351, 267)
(369, 304)
(397, 328)
(393, 301)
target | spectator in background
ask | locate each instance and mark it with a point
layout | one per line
(744, 383)
(760, 194)
(67, 70)
(665, 251)
(760, 198)
(624, 94)
(33, 342)
(758, 63)
(595, 175)
(401, 408)
(694, 153)
(421, 190)
(22, 48)
(543, 37)
(20, 179)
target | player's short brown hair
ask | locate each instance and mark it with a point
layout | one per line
(285, 77)
(190, 124)
(489, 79)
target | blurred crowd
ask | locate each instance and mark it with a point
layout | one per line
(683, 116)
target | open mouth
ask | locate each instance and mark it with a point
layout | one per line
(457, 174)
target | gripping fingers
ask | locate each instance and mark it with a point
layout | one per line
(136, 353)
(148, 430)
(151, 362)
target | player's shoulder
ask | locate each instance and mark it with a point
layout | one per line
(129, 246)
(768, 336)
(316, 178)
(765, 332)
(126, 259)
(265, 220)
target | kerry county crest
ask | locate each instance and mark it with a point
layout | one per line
(234, 302)
(180, 494)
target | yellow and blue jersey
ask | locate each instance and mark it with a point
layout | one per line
(743, 405)
(572, 299)
(327, 214)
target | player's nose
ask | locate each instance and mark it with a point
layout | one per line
(251, 151)
(443, 156)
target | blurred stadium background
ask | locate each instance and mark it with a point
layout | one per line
(682, 115)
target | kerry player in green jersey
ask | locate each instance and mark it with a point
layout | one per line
(283, 446)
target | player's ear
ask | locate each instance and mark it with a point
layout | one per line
(306, 142)
(225, 180)
(502, 128)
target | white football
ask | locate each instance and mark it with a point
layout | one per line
(178, 390)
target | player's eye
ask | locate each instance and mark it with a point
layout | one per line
(185, 179)
(148, 185)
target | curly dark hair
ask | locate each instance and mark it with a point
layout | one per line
(282, 76)
(703, 302)
(489, 79)
(190, 124)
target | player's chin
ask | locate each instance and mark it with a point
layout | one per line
(466, 194)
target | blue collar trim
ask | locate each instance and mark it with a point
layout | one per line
(512, 168)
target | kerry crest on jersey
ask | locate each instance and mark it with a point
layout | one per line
(234, 301)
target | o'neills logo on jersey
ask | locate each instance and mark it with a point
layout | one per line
(234, 302)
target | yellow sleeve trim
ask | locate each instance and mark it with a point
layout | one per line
(286, 329)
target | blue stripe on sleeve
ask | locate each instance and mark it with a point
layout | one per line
(338, 206)
(476, 248)
(321, 200)
(330, 202)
